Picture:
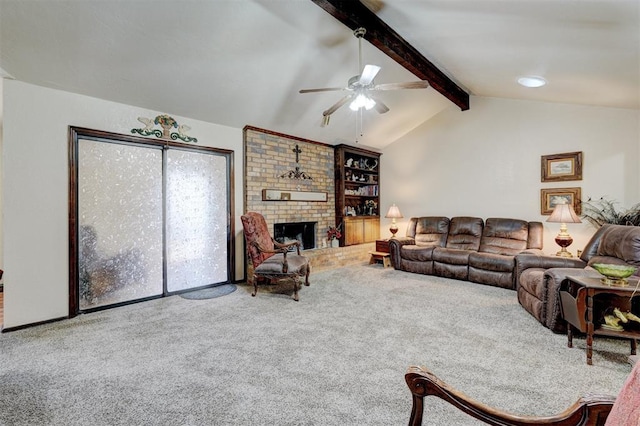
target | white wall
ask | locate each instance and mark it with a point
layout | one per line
(482, 162)
(1, 175)
(485, 162)
(35, 189)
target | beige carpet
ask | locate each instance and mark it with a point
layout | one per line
(336, 357)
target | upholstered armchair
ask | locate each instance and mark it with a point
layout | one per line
(270, 259)
(590, 410)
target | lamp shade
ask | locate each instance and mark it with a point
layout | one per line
(394, 212)
(563, 213)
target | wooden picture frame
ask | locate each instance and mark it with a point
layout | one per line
(561, 167)
(552, 196)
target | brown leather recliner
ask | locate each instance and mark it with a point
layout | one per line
(539, 277)
(502, 239)
(465, 248)
(452, 261)
(414, 253)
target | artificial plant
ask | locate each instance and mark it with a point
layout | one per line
(601, 211)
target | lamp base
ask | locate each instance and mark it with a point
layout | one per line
(563, 253)
(564, 241)
(393, 229)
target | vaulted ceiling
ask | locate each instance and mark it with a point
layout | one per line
(242, 62)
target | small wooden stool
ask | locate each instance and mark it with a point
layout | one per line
(380, 255)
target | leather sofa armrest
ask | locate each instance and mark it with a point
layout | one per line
(529, 259)
(553, 280)
(395, 244)
(532, 251)
(525, 261)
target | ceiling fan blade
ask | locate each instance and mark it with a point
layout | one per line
(380, 106)
(368, 74)
(422, 84)
(324, 89)
(334, 107)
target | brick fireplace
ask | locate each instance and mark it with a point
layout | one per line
(270, 163)
(268, 157)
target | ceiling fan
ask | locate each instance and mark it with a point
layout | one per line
(361, 87)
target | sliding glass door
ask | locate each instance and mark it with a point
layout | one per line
(120, 223)
(147, 218)
(197, 212)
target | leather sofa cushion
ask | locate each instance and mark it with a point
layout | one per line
(417, 252)
(591, 248)
(417, 267)
(531, 281)
(451, 256)
(458, 272)
(535, 236)
(622, 242)
(492, 262)
(429, 230)
(498, 279)
(533, 305)
(465, 233)
(504, 236)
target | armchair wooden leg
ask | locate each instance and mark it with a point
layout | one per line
(296, 286)
(255, 286)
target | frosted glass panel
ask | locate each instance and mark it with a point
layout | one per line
(197, 210)
(120, 223)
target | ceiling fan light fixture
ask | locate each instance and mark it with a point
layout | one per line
(369, 103)
(362, 101)
(532, 81)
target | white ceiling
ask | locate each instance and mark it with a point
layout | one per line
(242, 62)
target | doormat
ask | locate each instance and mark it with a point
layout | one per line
(210, 293)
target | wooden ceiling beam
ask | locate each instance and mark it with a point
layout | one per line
(354, 15)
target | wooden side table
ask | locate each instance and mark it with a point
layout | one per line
(382, 246)
(381, 253)
(584, 299)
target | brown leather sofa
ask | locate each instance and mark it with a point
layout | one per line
(465, 248)
(538, 278)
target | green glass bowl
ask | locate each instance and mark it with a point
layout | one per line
(614, 271)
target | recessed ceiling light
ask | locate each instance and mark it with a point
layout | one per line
(532, 81)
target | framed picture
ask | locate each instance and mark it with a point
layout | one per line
(561, 167)
(552, 196)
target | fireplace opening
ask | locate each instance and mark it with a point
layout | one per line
(305, 232)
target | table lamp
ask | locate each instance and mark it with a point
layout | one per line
(393, 214)
(563, 213)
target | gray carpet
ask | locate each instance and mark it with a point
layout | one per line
(336, 357)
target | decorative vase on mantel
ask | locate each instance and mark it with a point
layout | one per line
(335, 243)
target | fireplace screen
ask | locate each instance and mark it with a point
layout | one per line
(305, 232)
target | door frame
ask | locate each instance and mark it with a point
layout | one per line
(77, 133)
